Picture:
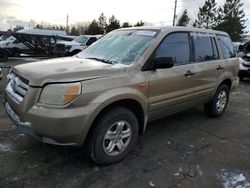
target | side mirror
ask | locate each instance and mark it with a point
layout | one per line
(163, 62)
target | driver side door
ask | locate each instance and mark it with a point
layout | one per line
(171, 89)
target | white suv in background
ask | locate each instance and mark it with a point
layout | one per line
(75, 46)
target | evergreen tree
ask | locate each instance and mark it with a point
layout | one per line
(126, 24)
(74, 31)
(103, 23)
(232, 19)
(62, 28)
(140, 23)
(207, 15)
(113, 24)
(94, 28)
(82, 27)
(184, 19)
(39, 26)
(17, 28)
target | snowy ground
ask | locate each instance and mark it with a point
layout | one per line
(184, 150)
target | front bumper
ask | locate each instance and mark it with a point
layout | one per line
(52, 126)
(26, 127)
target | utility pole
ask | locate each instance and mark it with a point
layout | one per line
(174, 12)
(67, 23)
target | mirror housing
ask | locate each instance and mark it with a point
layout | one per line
(163, 62)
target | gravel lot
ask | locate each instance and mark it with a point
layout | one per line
(184, 150)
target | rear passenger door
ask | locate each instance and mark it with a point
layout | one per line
(229, 61)
(207, 65)
(171, 89)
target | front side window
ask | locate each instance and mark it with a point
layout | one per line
(175, 45)
(120, 47)
(226, 46)
(204, 49)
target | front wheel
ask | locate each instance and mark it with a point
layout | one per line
(217, 106)
(114, 136)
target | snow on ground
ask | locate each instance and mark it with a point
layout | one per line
(237, 179)
(4, 148)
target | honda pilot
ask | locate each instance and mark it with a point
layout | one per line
(105, 96)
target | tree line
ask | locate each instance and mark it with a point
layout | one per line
(102, 25)
(229, 18)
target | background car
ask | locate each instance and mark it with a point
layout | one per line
(75, 46)
(243, 51)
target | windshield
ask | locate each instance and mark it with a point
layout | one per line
(81, 39)
(122, 47)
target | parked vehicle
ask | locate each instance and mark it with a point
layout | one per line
(33, 42)
(13, 43)
(77, 45)
(104, 96)
(244, 58)
(4, 35)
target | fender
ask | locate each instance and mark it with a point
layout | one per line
(111, 96)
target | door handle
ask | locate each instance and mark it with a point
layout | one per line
(189, 73)
(220, 68)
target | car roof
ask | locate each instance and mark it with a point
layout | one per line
(175, 28)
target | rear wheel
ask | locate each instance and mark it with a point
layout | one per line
(114, 136)
(241, 78)
(217, 106)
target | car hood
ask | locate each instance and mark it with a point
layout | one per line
(68, 69)
(69, 43)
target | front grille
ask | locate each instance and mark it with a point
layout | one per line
(17, 87)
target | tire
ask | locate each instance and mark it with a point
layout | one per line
(217, 106)
(103, 143)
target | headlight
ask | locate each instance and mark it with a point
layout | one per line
(60, 94)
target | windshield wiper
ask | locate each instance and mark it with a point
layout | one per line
(102, 60)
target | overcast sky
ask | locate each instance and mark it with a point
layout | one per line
(157, 12)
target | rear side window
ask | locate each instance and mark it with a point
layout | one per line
(204, 48)
(175, 45)
(226, 46)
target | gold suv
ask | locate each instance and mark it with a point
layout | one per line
(104, 96)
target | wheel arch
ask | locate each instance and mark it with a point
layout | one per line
(135, 106)
(227, 82)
